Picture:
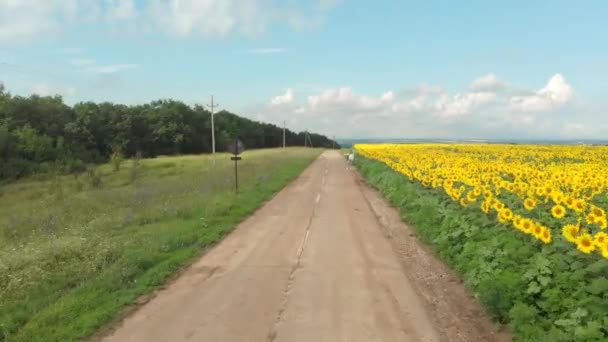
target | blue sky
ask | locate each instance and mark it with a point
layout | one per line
(468, 69)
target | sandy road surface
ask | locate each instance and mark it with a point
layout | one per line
(324, 260)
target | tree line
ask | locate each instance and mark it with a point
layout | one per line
(40, 133)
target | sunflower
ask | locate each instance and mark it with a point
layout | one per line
(570, 232)
(526, 225)
(471, 196)
(517, 221)
(498, 205)
(604, 249)
(529, 203)
(557, 197)
(590, 218)
(584, 243)
(487, 194)
(507, 214)
(569, 202)
(601, 221)
(537, 230)
(598, 211)
(464, 202)
(545, 235)
(600, 238)
(579, 205)
(485, 207)
(558, 211)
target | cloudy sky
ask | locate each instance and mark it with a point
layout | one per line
(349, 68)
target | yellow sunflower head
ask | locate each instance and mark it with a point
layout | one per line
(529, 204)
(537, 230)
(590, 218)
(570, 232)
(604, 249)
(579, 205)
(597, 211)
(601, 221)
(526, 225)
(584, 243)
(506, 213)
(558, 211)
(600, 239)
(545, 235)
(569, 202)
(471, 196)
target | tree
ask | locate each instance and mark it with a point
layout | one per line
(36, 130)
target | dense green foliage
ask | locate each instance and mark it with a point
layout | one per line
(544, 292)
(75, 251)
(43, 134)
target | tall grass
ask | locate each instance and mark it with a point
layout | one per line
(75, 249)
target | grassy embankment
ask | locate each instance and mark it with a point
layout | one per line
(74, 251)
(545, 293)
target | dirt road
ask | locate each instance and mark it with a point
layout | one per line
(324, 260)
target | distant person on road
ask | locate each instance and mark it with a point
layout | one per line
(351, 158)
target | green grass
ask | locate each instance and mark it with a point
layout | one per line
(543, 292)
(74, 251)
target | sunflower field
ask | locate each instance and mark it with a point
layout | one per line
(540, 191)
(524, 225)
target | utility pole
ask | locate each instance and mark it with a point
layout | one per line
(212, 106)
(283, 133)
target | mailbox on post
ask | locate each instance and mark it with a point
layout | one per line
(236, 148)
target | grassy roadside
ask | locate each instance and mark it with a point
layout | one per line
(544, 293)
(74, 252)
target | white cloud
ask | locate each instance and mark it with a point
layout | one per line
(113, 68)
(286, 99)
(461, 104)
(82, 62)
(91, 65)
(266, 51)
(45, 89)
(24, 20)
(345, 99)
(555, 94)
(487, 83)
(483, 110)
(121, 9)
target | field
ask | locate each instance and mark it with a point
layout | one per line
(523, 225)
(75, 250)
